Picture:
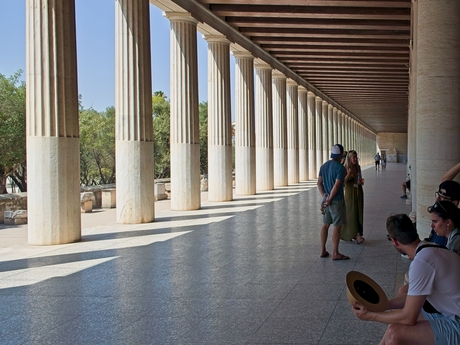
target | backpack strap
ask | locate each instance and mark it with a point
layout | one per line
(429, 245)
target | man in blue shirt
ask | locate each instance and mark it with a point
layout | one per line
(330, 185)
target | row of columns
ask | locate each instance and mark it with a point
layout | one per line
(284, 132)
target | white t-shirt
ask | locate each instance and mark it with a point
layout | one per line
(435, 273)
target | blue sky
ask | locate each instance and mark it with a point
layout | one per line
(96, 49)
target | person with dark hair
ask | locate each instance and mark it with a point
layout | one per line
(377, 161)
(448, 191)
(330, 185)
(445, 219)
(433, 280)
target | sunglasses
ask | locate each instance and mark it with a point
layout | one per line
(442, 196)
(435, 207)
(388, 237)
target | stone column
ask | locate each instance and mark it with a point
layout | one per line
(185, 138)
(280, 159)
(437, 103)
(220, 180)
(245, 138)
(133, 103)
(304, 173)
(325, 123)
(264, 126)
(330, 127)
(311, 116)
(412, 118)
(319, 134)
(292, 131)
(339, 127)
(335, 123)
(53, 148)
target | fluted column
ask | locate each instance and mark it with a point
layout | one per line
(245, 138)
(133, 104)
(311, 117)
(339, 127)
(330, 127)
(53, 151)
(325, 124)
(185, 138)
(319, 133)
(280, 159)
(220, 180)
(437, 103)
(335, 125)
(304, 173)
(264, 126)
(292, 131)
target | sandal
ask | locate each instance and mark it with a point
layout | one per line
(359, 239)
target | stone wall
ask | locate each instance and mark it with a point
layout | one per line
(392, 142)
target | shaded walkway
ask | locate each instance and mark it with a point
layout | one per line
(242, 272)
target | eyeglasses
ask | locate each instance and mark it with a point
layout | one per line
(442, 196)
(436, 206)
(388, 237)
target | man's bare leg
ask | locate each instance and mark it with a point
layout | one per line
(421, 333)
(324, 232)
(335, 242)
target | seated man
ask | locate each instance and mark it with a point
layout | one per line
(434, 278)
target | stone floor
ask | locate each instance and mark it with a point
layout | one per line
(241, 272)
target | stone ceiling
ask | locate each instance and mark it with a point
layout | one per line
(354, 54)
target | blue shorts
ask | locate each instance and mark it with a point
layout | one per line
(445, 330)
(335, 213)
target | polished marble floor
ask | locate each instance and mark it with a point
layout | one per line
(241, 272)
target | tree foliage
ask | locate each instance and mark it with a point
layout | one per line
(13, 131)
(161, 134)
(203, 114)
(97, 146)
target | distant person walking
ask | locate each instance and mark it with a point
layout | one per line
(383, 162)
(354, 200)
(377, 162)
(330, 185)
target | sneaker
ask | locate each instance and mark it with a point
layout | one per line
(403, 196)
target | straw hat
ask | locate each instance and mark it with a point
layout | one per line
(365, 291)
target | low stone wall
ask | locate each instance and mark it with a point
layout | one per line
(18, 201)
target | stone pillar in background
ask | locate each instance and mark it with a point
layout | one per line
(319, 133)
(220, 180)
(292, 103)
(311, 116)
(264, 126)
(330, 127)
(185, 138)
(304, 173)
(325, 124)
(280, 159)
(339, 127)
(53, 150)
(133, 103)
(245, 138)
(438, 102)
(335, 123)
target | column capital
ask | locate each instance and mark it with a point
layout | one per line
(325, 102)
(317, 98)
(278, 75)
(261, 64)
(238, 54)
(303, 89)
(180, 17)
(216, 39)
(291, 82)
(311, 94)
(330, 106)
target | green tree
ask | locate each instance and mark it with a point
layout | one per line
(161, 134)
(97, 146)
(203, 114)
(13, 131)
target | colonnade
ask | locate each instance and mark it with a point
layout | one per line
(284, 131)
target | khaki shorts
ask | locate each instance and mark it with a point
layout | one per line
(335, 213)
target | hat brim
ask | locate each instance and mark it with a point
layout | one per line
(366, 292)
(336, 155)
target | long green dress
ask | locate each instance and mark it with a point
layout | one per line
(354, 203)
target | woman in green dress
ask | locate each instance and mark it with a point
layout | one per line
(352, 229)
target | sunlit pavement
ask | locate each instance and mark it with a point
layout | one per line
(241, 272)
